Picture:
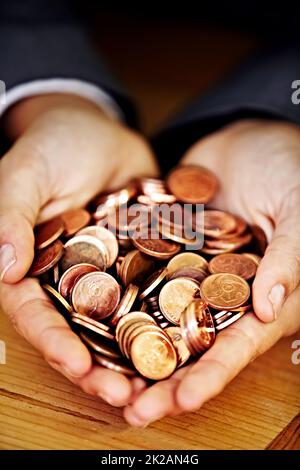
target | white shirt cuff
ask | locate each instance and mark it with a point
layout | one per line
(62, 85)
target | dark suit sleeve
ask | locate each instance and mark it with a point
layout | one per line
(260, 88)
(47, 39)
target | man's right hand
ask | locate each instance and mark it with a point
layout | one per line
(66, 150)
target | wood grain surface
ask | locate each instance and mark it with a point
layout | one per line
(40, 409)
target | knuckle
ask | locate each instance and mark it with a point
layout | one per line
(250, 343)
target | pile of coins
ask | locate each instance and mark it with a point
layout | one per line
(142, 303)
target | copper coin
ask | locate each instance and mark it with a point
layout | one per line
(152, 282)
(71, 276)
(60, 303)
(84, 249)
(214, 251)
(117, 365)
(126, 304)
(233, 263)
(240, 228)
(47, 232)
(144, 307)
(125, 246)
(156, 198)
(150, 185)
(176, 235)
(100, 345)
(105, 202)
(74, 220)
(156, 247)
(188, 328)
(192, 184)
(217, 223)
(197, 327)
(153, 355)
(135, 268)
(225, 291)
(256, 258)
(174, 217)
(56, 274)
(183, 354)
(186, 259)
(95, 323)
(91, 327)
(96, 294)
(232, 244)
(46, 259)
(260, 239)
(128, 327)
(131, 332)
(175, 296)
(130, 219)
(106, 237)
(229, 320)
(153, 304)
(243, 308)
(154, 192)
(132, 317)
(193, 273)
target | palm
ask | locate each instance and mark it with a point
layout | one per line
(62, 158)
(258, 166)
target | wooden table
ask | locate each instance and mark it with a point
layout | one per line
(39, 409)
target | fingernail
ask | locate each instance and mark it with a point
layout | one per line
(107, 399)
(65, 370)
(276, 297)
(7, 258)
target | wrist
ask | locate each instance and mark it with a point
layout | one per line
(21, 115)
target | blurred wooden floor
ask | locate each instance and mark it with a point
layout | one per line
(163, 65)
(40, 409)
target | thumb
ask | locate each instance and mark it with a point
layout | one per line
(20, 201)
(279, 271)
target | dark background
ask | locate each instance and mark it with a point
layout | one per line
(166, 55)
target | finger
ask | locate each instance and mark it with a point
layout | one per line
(279, 271)
(35, 318)
(234, 348)
(155, 402)
(138, 386)
(110, 386)
(23, 185)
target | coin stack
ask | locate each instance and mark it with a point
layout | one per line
(146, 301)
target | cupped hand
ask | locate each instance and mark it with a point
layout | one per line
(258, 166)
(66, 150)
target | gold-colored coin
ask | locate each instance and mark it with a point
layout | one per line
(132, 317)
(175, 296)
(117, 365)
(153, 355)
(183, 354)
(225, 291)
(100, 344)
(135, 268)
(60, 303)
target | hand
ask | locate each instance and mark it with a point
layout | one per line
(258, 165)
(66, 150)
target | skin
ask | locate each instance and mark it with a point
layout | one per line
(66, 150)
(258, 165)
